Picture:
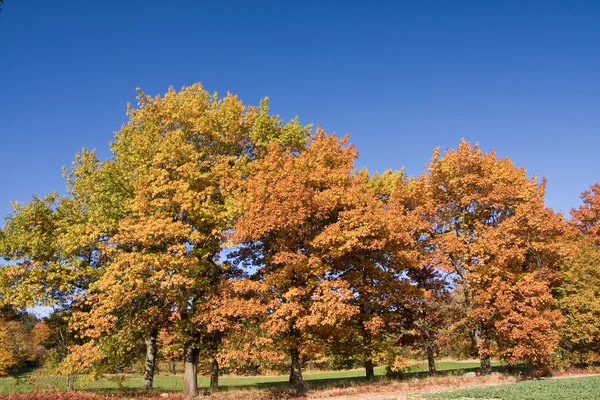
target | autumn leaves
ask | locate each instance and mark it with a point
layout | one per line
(220, 236)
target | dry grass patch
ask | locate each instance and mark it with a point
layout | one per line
(390, 389)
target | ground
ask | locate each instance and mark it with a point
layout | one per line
(452, 383)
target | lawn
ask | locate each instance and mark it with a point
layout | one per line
(587, 388)
(28, 382)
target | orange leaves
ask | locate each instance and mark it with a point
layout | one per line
(289, 204)
(524, 317)
(294, 188)
(587, 217)
(329, 306)
(493, 230)
(136, 246)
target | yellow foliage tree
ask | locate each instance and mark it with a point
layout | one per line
(178, 156)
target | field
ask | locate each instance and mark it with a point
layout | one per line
(585, 388)
(30, 382)
(351, 384)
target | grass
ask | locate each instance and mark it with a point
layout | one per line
(30, 382)
(587, 388)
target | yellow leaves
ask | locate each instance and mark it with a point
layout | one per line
(17, 345)
(83, 359)
(579, 300)
(397, 364)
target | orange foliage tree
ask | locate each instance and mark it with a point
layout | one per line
(289, 199)
(494, 232)
(424, 309)
(370, 254)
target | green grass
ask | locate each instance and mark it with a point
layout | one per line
(587, 388)
(174, 383)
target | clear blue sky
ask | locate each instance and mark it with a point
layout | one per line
(401, 77)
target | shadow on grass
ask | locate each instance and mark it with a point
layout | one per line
(330, 383)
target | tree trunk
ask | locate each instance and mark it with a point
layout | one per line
(150, 364)
(190, 374)
(70, 382)
(431, 359)
(369, 369)
(296, 380)
(367, 351)
(486, 366)
(213, 343)
(214, 375)
(478, 334)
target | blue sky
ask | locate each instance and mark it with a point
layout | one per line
(401, 77)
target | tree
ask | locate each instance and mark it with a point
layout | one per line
(56, 243)
(177, 155)
(496, 236)
(578, 295)
(425, 308)
(579, 287)
(430, 309)
(363, 252)
(53, 243)
(234, 306)
(14, 346)
(21, 337)
(289, 199)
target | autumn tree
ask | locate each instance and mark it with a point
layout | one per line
(578, 298)
(289, 199)
(14, 344)
(239, 314)
(55, 243)
(579, 288)
(178, 154)
(21, 337)
(429, 310)
(422, 310)
(498, 238)
(230, 316)
(31, 240)
(364, 252)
